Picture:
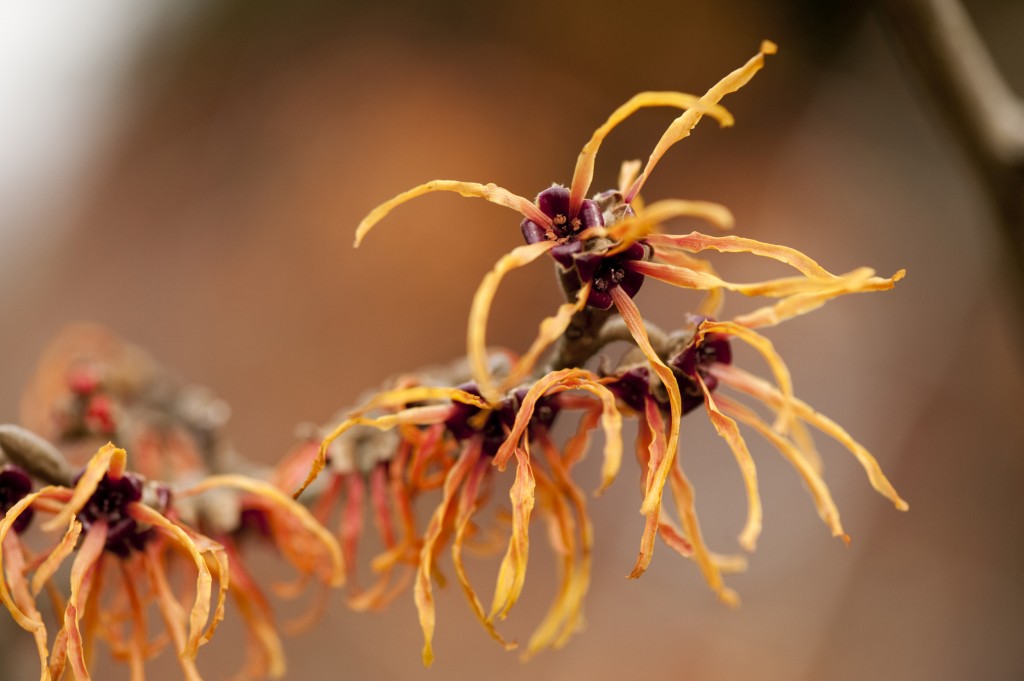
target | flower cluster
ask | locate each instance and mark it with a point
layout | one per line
(129, 529)
(469, 429)
(515, 421)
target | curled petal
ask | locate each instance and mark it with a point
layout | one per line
(468, 504)
(137, 647)
(416, 415)
(402, 397)
(558, 381)
(31, 621)
(858, 281)
(651, 453)
(767, 350)
(171, 611)
(423, 592)
(204, 581)
(13, 561)
(267, 657)
(81, 578)
(776, 288)
(747, 383)
(490, 192)
(477, 346)
(631, 316)
(695, 242)
(823, 502)
(645, 224)
(714, 299)
(728, 431)
(584, 172)
(566, 613)
(109, 460)
(711, 565)
(681, 127)
(512, 571)
(328, 562)
(57, 556)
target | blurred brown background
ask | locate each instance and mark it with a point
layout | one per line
(196, 189)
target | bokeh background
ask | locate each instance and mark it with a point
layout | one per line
(190, 174)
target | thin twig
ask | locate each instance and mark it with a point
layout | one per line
(986, 116)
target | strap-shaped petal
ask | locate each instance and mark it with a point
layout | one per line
(817, 488)
(682, 126)
(490, 192)
(477, 331)
(109, 460)
(730, 432)
(759, 389)
(584, 172)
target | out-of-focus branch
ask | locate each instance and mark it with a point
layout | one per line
(944, 46)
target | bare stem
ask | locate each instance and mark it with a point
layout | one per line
(987, 117)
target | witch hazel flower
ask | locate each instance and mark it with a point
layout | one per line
(126, 535)
(452, 442)
(605, 248)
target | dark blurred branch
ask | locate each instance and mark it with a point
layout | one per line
(984, 113)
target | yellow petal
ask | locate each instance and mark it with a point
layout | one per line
(858, 281)
(819, 491)
(13, 559)
(681, 127)
(566, 613)
(327, 562)
(423, 592)
(475, 339)
(561, 531)
(490, 192)
(417, 415)
(562, 380)
(512, 571)
(57, 556)
(81, 570)
(646, 222)
(695, 242)
(747, 383)
(651, 451)
(204, 581)
(584, 172)
(728, 431)
(137, 647)
(108, 459)
(31, 621)
(767, 351)
(267, 658)
(468, 505)
(631, 316)
(709, 563)
(402, 397)
(171, 611)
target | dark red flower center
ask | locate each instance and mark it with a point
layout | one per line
(465, 420)
(110, 503)
(695, 360)
(14, 485)
(554, 202)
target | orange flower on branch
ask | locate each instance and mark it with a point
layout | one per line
(604, 249)
(126, 535)
(453, 439)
